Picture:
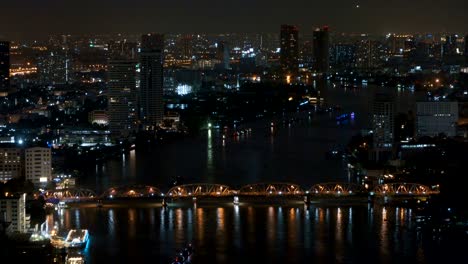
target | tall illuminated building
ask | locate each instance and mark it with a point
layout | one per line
(321, 50)
(122, 97)
(289, 49)
(151, 80)
(4, 66)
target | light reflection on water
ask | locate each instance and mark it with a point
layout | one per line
(340, 234)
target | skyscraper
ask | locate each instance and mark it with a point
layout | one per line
(321, 50)
(151, 80)
(4, 66)
(122, 103)
(289, 49)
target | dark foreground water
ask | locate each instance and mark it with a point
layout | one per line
(256, 234)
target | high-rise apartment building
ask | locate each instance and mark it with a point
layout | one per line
(37, 161)
(151, 80)
(122, 97)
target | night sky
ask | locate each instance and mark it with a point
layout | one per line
(23, 18)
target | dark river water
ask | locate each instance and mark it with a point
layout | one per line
(228, 233)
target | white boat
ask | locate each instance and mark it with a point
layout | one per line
(77, 238)
(62, 205)
(75, 260)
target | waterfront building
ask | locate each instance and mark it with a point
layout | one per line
(13, 210)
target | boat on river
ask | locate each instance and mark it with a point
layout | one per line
(77, 238)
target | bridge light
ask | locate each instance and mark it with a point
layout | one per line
(280, 192)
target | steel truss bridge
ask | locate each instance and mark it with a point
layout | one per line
(70, 194)
(274, 189)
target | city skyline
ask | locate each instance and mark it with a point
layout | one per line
(27, 18)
